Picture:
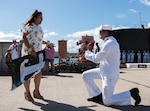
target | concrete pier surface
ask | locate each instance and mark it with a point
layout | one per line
(66, 92)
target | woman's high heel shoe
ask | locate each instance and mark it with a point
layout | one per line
(36, 94)
(28, 97)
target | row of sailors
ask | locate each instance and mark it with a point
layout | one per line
(131, 56)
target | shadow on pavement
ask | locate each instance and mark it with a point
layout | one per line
(25, 109)
(129, 107)
(56, 106)
(58, 75)
(132, 108)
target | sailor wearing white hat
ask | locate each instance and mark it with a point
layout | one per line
(109, 61)
(14, 49)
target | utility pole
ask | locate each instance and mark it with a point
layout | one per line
(140, 19)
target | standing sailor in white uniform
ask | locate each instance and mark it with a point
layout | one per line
(144, 56)
(132, 56)
(14, 49)
(128, 57)
(108, 72)
(139, 56)
(123, 57)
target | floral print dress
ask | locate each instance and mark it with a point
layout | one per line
(35, 38)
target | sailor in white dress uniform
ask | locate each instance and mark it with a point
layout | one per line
(108, 72)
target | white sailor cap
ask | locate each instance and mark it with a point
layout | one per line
(106, 27)
(14, 40)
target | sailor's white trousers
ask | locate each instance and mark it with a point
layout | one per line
(108, 86)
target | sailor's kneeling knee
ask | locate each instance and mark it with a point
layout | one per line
(107, 102)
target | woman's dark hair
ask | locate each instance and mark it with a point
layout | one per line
(35, 14)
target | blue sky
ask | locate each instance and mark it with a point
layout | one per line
(71, 19)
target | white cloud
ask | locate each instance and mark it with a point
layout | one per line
(121, 27)
(48, 34)
(3, 35)
(53, 34)
(146, 2)
(10, 35)
(121, 15)
(133, 11)
(130, 1)
(92, 32)
(148, 25)
(72, 46)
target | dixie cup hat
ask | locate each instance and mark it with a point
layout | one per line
(106, 27)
